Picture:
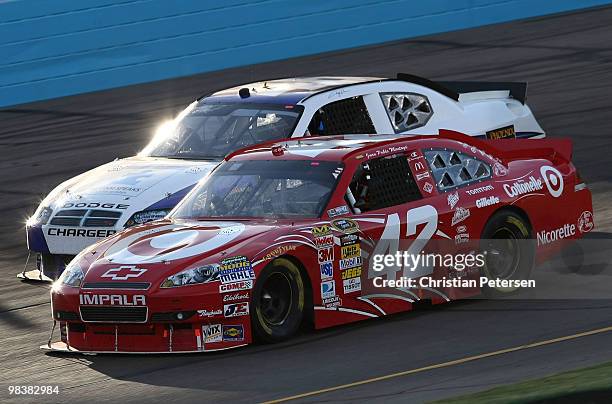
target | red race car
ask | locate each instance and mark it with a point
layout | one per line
(323, 230)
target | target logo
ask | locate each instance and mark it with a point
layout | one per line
(553, 180)
(172, 242)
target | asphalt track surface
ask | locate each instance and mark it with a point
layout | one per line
(567, 60)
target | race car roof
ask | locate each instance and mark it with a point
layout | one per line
(329, 148)
(288, 91)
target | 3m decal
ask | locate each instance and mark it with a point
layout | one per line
(325, 254)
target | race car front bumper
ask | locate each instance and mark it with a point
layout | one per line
(134, 321)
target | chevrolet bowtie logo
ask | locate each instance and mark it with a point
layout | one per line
(124, 272)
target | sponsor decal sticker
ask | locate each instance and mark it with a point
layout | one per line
(349, 239)
(460, 215)
(235, 296)
(547, 237)
(236, 286)
(211, 333)
(321, 230)
(422, 176)
(487, 201)
(350, 251)
(351, 285)
(209, 313)
(585, 222)
(325, 254)
(278, 252)
(345, 225)
(479, 190)
(340, 210)
(328, 289)
(462, 238)
(235, 269)
(428, 187)
(236, 309)
(233, 333)
(327, 270)
(461, 229)
(452, 199)
(499, 170)
(324, 241)
(521, 187)
(334, 301)
(352, 273)
(507, 132)
(350, 263)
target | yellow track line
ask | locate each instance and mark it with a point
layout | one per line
(443, 365)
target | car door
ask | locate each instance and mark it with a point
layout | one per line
(395, 205)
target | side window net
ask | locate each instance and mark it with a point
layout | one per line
(406, 111)
(381, 183)
(349, 116)
(452, 169)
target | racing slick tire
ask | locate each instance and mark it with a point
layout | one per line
(509, 250)
(278, 302)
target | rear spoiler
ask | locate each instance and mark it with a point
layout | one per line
(557, 150)
(453, 89)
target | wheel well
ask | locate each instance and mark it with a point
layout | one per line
(308, 295)
(518, 211)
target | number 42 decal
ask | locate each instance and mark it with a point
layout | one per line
(389, 242)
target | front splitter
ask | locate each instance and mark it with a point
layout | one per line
(62, 347)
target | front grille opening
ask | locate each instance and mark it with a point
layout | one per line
(113, 314)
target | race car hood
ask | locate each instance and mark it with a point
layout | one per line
(165, 247)
(132, 184)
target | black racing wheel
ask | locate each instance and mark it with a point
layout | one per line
(278, 301)
(509, 250)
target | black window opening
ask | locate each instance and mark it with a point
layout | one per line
(381, 183)
(349, 116)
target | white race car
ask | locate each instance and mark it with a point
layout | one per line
(146, 187)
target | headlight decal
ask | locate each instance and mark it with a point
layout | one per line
(193, 276)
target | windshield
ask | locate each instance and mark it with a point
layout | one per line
(211, 131)
(266, 189)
